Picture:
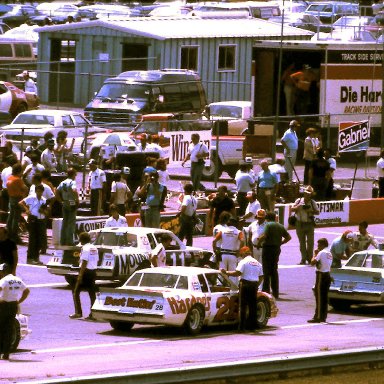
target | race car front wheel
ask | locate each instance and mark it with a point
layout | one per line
(124, 326)
(263, 311)
(195, 320)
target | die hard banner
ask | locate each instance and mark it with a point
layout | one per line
(354, 136)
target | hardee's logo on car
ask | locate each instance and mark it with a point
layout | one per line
(184, 305)
(129, 302)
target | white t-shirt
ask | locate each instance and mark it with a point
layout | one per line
(252, 207)
(12, 288)
(255, 230)
(96, 179)
(48, 160)
(121, 189)
(47, 194)
(332, 163)
(191, 203)
(324, 260)
(163, 177)
(119, 222)
(199, 148)
(379, 167)
(90, 254)
(230, 239)
(216, 229)
(250, 269)
(34, 205)
(5, 173)
(31, 170)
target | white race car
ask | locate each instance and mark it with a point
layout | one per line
(123, 250)
(176, 296)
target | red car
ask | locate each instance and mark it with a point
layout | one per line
(13, 100)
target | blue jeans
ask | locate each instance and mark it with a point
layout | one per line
(68, 225)
(196, 174)
(152, 217)
(14, 217)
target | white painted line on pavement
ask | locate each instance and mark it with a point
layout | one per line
(92, 346)
(47, 285)
(331, 323)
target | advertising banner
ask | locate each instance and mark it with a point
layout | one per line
(353, 136)
(333, 213)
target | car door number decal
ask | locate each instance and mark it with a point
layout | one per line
(228, 308)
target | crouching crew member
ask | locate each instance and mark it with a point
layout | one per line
(251, 273)
(89, 258)
(13, 291)
(323, 261)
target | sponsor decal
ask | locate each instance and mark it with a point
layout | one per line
(184, 305)
(129, 302)
(228, 308)
(353, 136)
(129, 262)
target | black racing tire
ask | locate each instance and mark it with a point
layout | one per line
(340, 305)
(15, 335)
(263, 312)
(71, 280)
(124, 326)
(209, 171)
(195, 320)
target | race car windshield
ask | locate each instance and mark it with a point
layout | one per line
(116, 239)
(115, 91)
(157, 280)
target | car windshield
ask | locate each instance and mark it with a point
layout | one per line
(34, 119)
(116, 239)
(366, 260)
(157, 280)
(123, 91)
(225, 111)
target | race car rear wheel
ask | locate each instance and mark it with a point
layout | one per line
(15, 335)
(195, 320)
(124, 326)
(340, 305)
(263, 312)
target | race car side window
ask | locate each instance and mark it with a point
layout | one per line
(203, 283)
(134, 281)
(152, 241)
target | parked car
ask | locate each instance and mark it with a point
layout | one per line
(329, 12)
(123, 250)
(58, 12)
(359, 281)
(188, 297)
(19, 14)
(34, 124)
(15, 101)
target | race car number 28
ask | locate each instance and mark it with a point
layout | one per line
(228, 308)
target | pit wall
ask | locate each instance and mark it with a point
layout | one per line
(332, 213)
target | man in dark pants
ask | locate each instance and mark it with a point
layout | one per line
(13, 291)
(187, 214)
(251, 273)
(97, 182)
(274, 236)
(89, 258)
(323, 261)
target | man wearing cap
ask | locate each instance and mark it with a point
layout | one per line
(252, 208)
(255, 230)
(154, 194)
(290, 143)
(197, 152)
(341, 248)
(231, 240)
(29, 84)
(13, 292)
(323, 261)
(305, 209)
(266, 187)
(97, 182)
(244, 184)
(251, 273)
(66, 194)
(274, 236)
(48, 157)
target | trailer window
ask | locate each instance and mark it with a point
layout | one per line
(6, 50)
(189, 58)
(23, 50)
(227, 58)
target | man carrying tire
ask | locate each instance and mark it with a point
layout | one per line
(13, 291)
(251, 273)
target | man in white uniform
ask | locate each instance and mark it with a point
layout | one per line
(96, 184)
(251, 273)
(255, 230)
(115, 220)
(89, 257)
(13, 292)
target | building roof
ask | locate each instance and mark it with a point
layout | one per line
(187, 27)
